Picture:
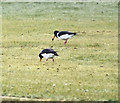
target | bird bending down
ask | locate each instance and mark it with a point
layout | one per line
(48, 54)
(63, 35)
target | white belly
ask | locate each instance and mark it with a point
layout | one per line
(47, 56)
(64, 37)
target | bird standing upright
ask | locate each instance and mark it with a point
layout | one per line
(63, 35)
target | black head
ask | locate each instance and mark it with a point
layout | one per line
(55, 35)
(40, 56)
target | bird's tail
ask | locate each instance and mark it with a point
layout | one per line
(75, 33)
(56, 54)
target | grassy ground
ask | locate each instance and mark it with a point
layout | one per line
(86, 68)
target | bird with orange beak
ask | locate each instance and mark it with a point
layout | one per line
(48, 54)
(63, 35)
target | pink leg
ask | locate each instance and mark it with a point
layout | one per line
(65, 42)
(53, 60)
(46, 59)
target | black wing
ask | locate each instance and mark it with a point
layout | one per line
(49, 51)
(66, 32)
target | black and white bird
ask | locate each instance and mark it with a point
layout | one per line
(48, 54)
(63, 35)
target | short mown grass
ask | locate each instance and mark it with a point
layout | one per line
(86, 68)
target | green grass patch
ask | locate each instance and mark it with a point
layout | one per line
(86, 69)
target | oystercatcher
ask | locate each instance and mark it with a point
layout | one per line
(64, 35)
(48, 54)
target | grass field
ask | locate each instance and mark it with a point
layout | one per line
(87, 67)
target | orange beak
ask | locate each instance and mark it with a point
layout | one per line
(40, 59)
(53, 38)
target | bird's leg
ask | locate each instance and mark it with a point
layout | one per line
(65, 41)
(46, 59)
(53, 60)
